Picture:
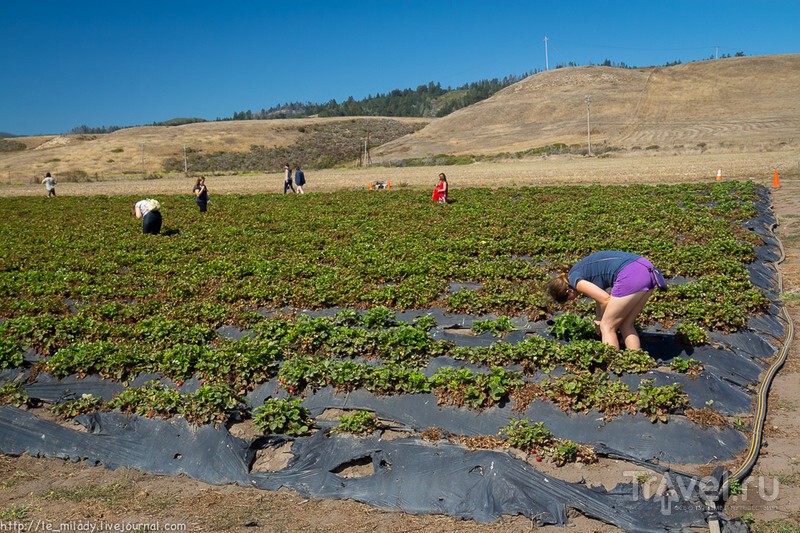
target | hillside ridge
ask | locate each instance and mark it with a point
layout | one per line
(728, 105)
(741, 102)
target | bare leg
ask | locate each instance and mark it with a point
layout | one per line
(621, 313)
(628, 327)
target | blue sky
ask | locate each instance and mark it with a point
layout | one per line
(67, 63)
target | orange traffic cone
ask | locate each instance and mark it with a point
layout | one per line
(776, 182)
(370, 185)
(388, 184)
(719, 174)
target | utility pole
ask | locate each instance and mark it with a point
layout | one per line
(143, 173)
(588, 100)
(185, 162)
(367, 161)
(546, 64)
(716, 52)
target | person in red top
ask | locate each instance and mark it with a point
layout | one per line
(440, 192)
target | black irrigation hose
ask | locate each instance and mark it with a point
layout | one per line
(760, 413)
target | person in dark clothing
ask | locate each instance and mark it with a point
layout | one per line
(299, 179)
(201, 194)
(149, 211)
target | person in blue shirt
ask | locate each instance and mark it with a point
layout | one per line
(201, 194)
(299, 179)
(620, 283)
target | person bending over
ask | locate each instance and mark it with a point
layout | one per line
(149, 211)
(630, 278)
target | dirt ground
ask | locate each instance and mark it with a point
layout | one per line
(624, 169)
(39, 493)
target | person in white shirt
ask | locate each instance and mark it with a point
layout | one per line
(149, 211)
(49, 185)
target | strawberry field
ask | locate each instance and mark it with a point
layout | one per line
(344, 292)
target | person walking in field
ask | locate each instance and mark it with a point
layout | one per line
(49, 185)
(201, 194)
(299, 179)
(149, 211)
(440, 192)
(631, 279)
(287, 178)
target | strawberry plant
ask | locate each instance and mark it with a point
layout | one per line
(12, 394)
(526, 435)
(85, 404)
(463, 387)
(153, 398)
(409, 345)
(425, 323)
(631, 361)
(300, 372)
(108, 359)
(10, 354)
(658, 402)
(378, 317)
(286, 417)
(396, 379)
(587, 355)
(573, 391)
(572, 327)
(358, 423)
(212, 402)
(498, 326)
(692, 367)
(691, 334)
(564, 451)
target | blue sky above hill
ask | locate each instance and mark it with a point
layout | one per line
(123, 63)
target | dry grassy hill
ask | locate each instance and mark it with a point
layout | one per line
(738, 114)
(143, 149)
(740, 103)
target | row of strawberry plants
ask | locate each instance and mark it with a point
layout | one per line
(538, 353)
(98, 297)
(210, 403)
(359, 250)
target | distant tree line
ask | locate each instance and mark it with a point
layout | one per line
(86, 130)
(431, 100)
(621, 64)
